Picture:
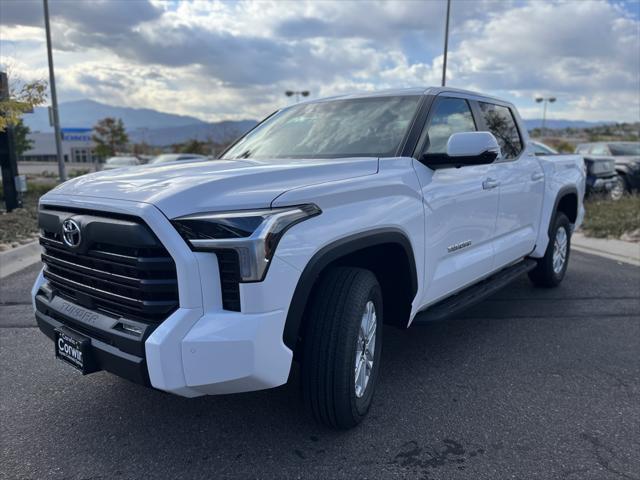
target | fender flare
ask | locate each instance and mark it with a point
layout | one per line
(563, 192)
(622, 169)
(330, 253)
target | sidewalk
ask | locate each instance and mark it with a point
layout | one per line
(626, 252)
(18, 258)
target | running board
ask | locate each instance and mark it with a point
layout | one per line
(471, 295)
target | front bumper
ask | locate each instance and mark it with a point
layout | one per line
(601, 184)
(200, 348)
(108, 352)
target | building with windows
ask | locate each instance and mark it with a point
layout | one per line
(77, 146)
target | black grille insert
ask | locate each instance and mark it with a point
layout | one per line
(229, 266)
(120, 268)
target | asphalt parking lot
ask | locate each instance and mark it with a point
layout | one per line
(529, 384)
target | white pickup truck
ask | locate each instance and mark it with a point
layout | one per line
(328, 219)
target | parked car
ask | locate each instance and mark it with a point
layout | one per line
(328, 219)
(626, 156)
(540, 148)
(601, 174)
(120, 162)
(176, 157)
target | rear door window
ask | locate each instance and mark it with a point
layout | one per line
(500, 122)
(599, 149)
(582, 149)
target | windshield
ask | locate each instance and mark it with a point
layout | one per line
(164, 158)
(542, 149)
(624, 149)
(121, 161)
(363, 127)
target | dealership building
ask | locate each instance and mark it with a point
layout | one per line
(77, 146)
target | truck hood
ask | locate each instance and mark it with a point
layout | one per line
(627, 159)
(184, 188)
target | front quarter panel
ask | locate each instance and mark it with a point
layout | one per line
(389, 199)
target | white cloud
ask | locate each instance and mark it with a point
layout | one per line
(234, 60)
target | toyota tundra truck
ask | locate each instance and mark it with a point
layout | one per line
(327, 220)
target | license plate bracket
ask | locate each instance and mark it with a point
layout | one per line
(75, 350)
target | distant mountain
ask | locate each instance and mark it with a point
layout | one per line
(554, 124)
(159, 128)
(142, 124)
(86, 113)
(219, 132)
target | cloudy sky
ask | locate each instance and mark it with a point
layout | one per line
(220, 60)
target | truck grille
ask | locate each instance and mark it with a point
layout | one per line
(120, 268)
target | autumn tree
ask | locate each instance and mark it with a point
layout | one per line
(21, 99)
(109, 136)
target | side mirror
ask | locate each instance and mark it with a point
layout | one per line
(465, 148)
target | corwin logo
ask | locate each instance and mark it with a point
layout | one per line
(71, 233)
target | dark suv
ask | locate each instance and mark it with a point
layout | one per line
(626, 156)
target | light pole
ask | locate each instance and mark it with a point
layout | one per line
(54, 98)
(290, 93)
(446, 44)
(544, 102)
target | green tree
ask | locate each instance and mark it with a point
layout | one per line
(20, 101)
(109, 136)
(21, 135)
(194, 146)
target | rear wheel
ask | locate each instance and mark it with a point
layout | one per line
(552, 267)
(341, 347)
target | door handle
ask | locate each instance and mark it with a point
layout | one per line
(537, 176)
(490, 183)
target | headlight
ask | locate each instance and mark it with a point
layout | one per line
(253, 234)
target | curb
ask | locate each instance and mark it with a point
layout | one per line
(18, 258)
(619, 250)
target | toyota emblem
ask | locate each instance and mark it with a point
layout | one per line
(71, 233)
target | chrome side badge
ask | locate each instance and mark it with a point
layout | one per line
(458, 246)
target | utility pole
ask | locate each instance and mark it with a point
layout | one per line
(446, 44)
(54, 98)
(8, 157)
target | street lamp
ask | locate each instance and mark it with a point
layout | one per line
(291, 93)
(62, 172)
(446, 44)
(544, 101)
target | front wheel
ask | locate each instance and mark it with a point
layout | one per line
(618, 190)
(552, 268)
(341, 347)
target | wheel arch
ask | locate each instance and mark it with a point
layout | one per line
(360, 250)
(567, 203)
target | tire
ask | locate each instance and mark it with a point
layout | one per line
(330, 347)
(617, 192)
(626, 183)
(544, 274)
